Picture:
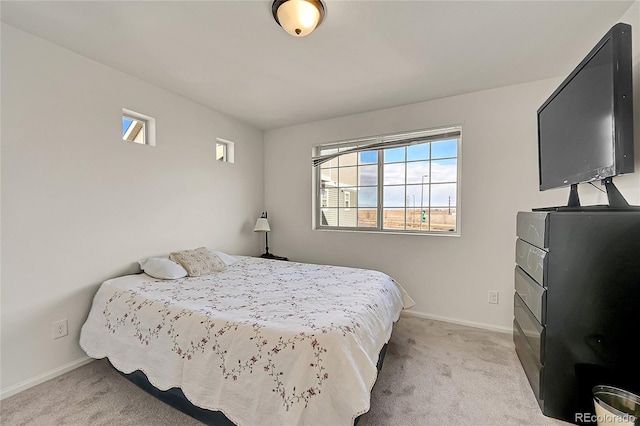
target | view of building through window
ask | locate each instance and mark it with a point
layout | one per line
(400, 188)
(133, 130)
(221, 151)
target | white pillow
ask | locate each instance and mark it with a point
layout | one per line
(162, 268)
(226, 258)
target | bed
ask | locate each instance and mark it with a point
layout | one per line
(263, 342)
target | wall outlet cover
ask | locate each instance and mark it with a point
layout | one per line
(60, 329)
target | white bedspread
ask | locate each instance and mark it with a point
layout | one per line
(265, 342)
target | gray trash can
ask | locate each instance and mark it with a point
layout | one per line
(616, 406)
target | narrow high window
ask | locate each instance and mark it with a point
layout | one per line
(224, 150)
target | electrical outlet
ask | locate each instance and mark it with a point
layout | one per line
(493, 297)
(60, 329)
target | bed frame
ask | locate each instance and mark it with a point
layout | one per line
(176, 398)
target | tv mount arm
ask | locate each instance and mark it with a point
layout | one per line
(574, 199)
(616, 200)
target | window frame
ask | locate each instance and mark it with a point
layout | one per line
(148, 127)
(229, 151)
(433, 134)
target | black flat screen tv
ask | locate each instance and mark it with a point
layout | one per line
(585, 128)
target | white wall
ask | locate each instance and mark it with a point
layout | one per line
(448, 277)
(79, 205)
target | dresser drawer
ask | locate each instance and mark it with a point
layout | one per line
(531, 328)
(532, 368)
(532, 294)
(532, 260)
(532, 227)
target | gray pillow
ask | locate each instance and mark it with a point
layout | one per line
(198, 262)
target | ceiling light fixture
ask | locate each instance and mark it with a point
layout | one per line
(298, 17)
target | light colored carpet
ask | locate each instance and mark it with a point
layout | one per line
(435, 373)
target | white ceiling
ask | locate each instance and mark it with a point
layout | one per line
(366, 55)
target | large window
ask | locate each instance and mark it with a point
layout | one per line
(397, 183)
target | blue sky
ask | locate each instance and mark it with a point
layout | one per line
(416, 172)
(369, 157)
(429, 163)
(126, 122)
(444, 149)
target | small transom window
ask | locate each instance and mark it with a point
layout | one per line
(137, 128)
(225, 151)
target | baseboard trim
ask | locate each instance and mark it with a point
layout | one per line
(484, 326)
(24, 385)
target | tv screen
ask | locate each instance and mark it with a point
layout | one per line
(585, 129)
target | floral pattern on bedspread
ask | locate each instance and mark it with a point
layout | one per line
(272, 328)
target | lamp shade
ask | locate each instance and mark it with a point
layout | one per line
(298, 17)
(262, 225)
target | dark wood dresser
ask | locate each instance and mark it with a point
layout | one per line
(577, 306)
